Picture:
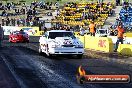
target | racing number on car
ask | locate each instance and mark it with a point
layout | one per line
(102, 43)
(44, 46)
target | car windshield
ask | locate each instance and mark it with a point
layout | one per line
(53, 35)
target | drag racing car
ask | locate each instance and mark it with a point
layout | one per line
(18, 36)
(60, 42)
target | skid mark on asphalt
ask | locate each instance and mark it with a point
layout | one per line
(54, 74)
(46, 71)
(22, 68)
(24, 71)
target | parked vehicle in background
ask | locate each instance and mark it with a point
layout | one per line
(102, 32)
(60, 42)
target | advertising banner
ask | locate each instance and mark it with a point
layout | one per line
(32, 31)
(9, 29)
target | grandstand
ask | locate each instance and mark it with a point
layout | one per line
(78, 13)
(125, 17)
(84, 13)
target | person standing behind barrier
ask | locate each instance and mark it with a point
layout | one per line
(120, 30)
(92, 28)
(1, 34)
(82, 31)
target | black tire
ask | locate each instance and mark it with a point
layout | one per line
(27, 41)
(51, 56)
(115, 33)
(10, 40)
(79, 56)
(40, 51)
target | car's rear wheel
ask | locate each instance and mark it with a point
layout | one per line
(115, 33)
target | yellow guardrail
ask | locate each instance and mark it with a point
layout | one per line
(125, 49)
(128, 34)
(97, 43)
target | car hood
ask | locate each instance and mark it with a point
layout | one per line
(66, 41)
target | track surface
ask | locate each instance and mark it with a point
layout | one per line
(34, 71)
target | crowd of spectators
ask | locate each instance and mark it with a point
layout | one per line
(11, 13)
(125, 17)
(87, 12)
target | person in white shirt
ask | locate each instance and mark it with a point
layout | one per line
(82, 31)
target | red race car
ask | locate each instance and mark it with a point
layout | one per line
(19, 36)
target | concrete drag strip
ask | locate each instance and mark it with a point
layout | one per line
(13, 72)
(22, 70)
(50, 77)
(37, 71)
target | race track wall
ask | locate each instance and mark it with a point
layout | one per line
(97, 43)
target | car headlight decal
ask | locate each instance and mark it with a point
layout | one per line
(79, 46)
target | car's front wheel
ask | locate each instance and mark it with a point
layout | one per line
(10, 40)
(40, 50)
(27, 41)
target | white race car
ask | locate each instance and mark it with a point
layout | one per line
(60, 42)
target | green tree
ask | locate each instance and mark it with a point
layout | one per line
(5, 0)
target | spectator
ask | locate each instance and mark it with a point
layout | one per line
(119, 36)
(45, 29)
(82, 31)
(92, 29)
(18, 22)
(7, 21)
(117, 2)
(3, 22)
(14, 22)
(125, 16)
(4, 13)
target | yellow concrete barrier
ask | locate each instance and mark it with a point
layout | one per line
(41, 33)
(125, 49)
(97, 43)
(76, 33)
(81, 38)
(128, 34)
